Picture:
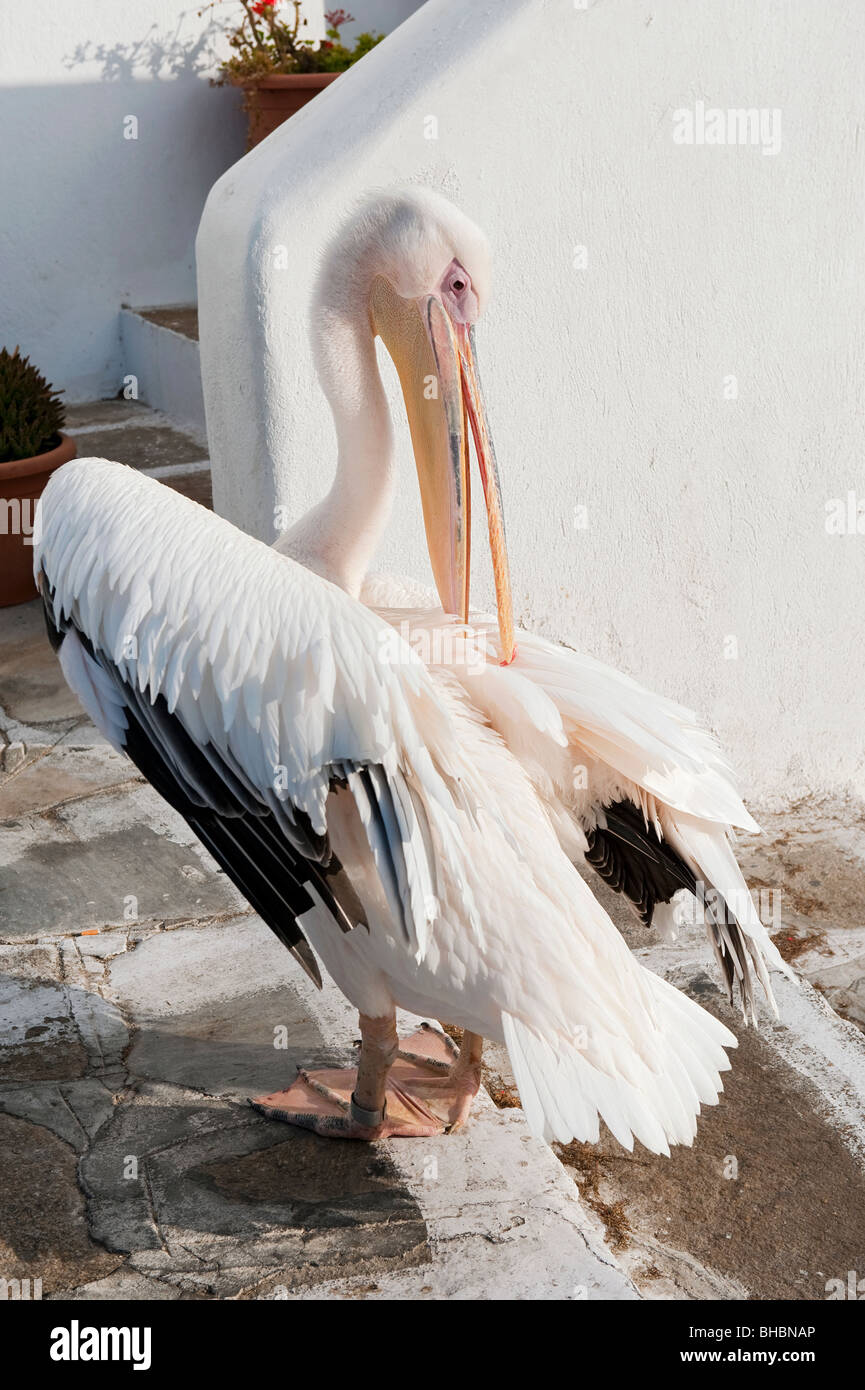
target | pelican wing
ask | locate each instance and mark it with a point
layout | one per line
(630, 779)
(245, 688)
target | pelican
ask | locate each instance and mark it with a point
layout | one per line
(403, 789)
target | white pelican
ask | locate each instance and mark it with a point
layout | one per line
(413, 824)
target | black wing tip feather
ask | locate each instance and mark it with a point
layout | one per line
(632, 858)
(55, 629)
(273, 865)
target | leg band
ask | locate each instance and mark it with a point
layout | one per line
(370, 1119)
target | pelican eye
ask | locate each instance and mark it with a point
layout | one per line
(456, 290)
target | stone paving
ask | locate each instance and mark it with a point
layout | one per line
(132, 1167)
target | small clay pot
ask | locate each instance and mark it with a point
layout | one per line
(21, 485)
(271, 100)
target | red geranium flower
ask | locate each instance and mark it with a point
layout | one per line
(261, 5)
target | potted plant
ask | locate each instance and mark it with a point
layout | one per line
(32, 445)
(278, 70)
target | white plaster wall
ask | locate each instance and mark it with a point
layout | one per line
(705, 516)
(88, 219)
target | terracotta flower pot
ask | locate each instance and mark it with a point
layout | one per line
(21, 485)
(271, 100)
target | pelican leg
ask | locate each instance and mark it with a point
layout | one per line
(378, 1049)
(375, 1100)
(465, 1080)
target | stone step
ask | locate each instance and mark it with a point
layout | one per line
(131, 432)
(160, 350)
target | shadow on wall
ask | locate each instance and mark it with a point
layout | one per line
(106, 182)
(160, 55)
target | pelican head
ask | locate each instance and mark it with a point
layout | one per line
(424, 268)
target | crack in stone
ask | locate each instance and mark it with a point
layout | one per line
(151, 1204)
(158, 925)
(85, 1135)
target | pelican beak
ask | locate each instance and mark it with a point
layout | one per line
(475, 408)
(421, 342)
(444, 477)
(453, 347)
(435, 360)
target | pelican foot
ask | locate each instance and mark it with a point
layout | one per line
(423, 1096)
(430, 1049)
(460, 1066)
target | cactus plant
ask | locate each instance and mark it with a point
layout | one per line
(31, 412)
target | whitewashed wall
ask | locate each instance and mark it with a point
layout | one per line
(91, 219)
(88, 218)
(704, 566)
